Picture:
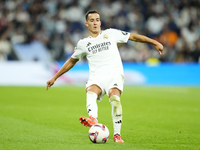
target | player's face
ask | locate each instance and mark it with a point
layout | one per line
(93, 23)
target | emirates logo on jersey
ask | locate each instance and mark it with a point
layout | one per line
(105, 36)
(99, 46)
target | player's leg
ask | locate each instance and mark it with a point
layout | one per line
(114, 98)
(93, 91)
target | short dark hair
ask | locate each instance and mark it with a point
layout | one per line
(90, 12)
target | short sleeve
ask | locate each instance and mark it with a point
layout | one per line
(78, 52)
(121, 36)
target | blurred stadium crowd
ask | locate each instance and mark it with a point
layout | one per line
(59, 24)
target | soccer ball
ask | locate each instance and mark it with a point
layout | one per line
(98, 133)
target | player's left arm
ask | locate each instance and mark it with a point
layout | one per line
(144, 39)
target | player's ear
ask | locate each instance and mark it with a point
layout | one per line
(86, 24)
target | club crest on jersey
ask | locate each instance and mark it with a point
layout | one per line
(105, 37)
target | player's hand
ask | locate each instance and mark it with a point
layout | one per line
(50, 83)
(159, 47)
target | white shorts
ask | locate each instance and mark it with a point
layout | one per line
(107, 82)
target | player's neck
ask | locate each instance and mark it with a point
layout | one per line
(94, 34)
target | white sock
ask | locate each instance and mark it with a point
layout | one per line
(92, 107)
(116, 113)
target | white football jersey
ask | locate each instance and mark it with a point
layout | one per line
(102, 52)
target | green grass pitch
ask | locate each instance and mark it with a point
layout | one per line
(154, 118)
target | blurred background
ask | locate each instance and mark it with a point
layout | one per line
(42, 34)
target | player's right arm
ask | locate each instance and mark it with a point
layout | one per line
(66, 67)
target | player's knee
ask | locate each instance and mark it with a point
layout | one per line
(115, 92)
(95, 89)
